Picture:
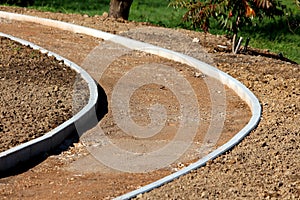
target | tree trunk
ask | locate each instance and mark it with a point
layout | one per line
(233, 43)
(120, 8)
(235, 32)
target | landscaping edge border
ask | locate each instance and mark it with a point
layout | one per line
(243, 92)
(53, 138)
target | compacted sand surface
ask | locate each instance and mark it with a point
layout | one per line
(265, 165)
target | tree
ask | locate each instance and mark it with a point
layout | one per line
(232, 15)
(120, 8)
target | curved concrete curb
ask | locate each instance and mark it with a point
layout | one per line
(53, 138)
(224, 78)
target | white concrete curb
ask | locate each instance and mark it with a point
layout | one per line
(53, 138)
(244, 93)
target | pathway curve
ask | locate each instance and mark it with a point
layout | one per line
(77, 46)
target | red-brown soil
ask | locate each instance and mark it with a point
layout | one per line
(264, 165)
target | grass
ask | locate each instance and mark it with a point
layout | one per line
(279, 35)
(156, 12)
(90, 7)
(275, 35)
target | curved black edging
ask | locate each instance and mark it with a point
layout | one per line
(25, 151)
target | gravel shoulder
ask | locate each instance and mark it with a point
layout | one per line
(264, 165)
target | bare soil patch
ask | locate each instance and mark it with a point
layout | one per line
(36, 94)
(264, 165)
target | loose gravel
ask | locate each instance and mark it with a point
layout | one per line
(265, 165)
(36, 93)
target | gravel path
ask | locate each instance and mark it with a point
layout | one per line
(78, 160)
(265, 164)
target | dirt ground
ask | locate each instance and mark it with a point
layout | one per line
(264, 165)
(36, 94)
